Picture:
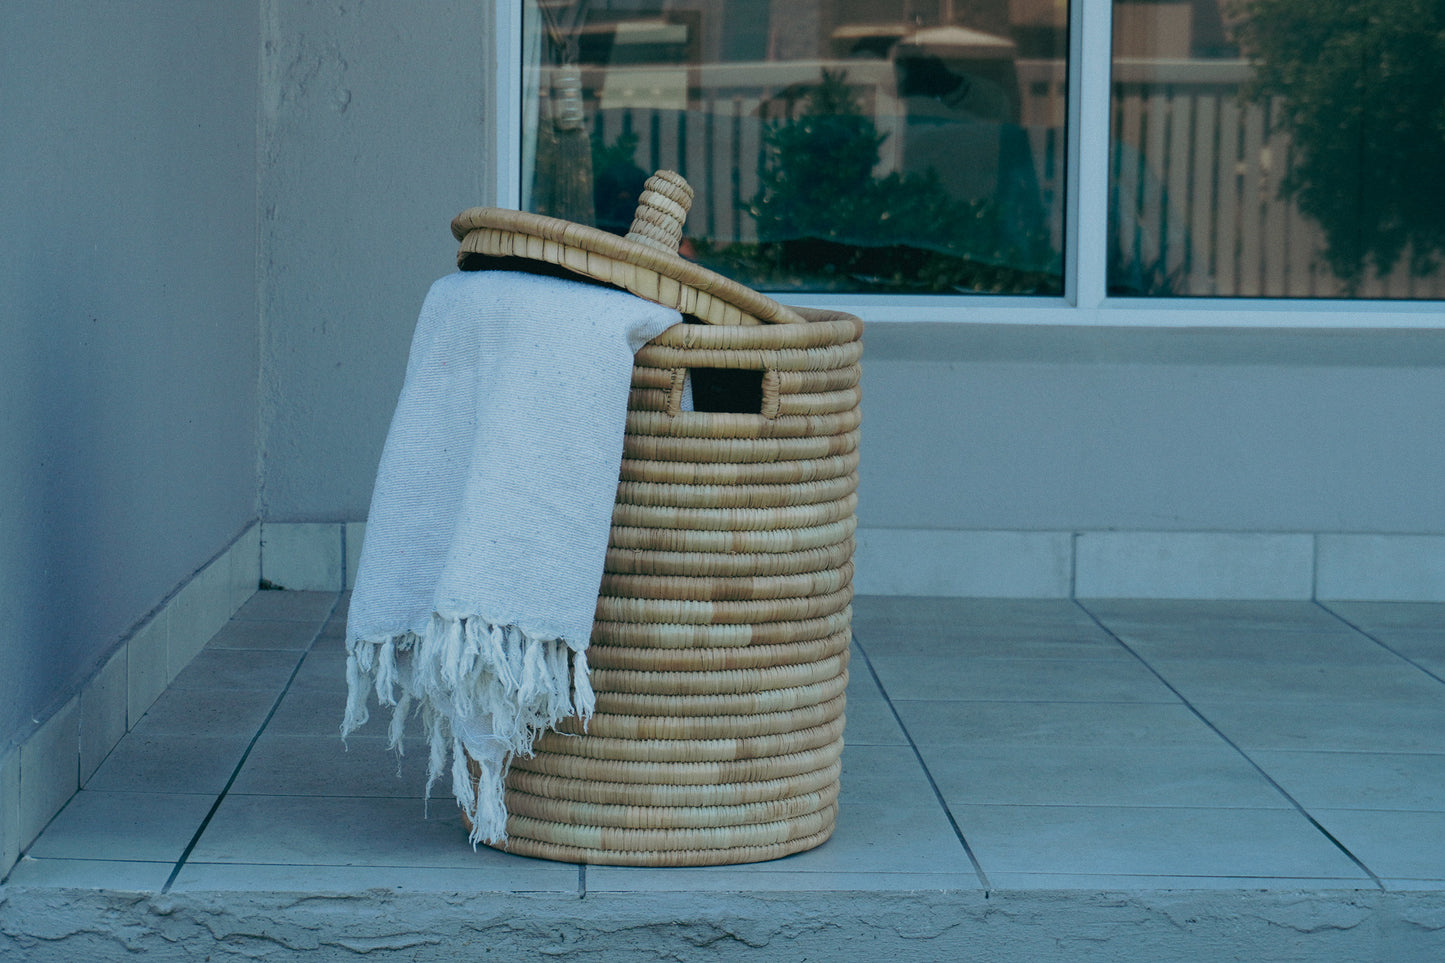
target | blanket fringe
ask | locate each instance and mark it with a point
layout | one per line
(483, 690)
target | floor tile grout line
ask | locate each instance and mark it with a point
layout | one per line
(240, 763)
(1338, 844)
(917, 755)
(1378, 641)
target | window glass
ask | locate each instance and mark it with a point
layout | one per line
(1278, 148)
(909, 146)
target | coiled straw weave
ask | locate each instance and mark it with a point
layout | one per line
(720, 647)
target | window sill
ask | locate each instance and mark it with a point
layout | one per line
(1228, 313)
(1139, 331)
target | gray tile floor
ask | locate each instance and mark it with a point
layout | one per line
(992, 745)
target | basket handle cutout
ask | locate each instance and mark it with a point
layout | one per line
(743, 391)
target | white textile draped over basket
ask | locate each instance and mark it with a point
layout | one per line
(489, 522)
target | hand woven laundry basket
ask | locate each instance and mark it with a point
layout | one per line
(720, 646)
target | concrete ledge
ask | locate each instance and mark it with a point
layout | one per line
(843, 926)
(40, 775)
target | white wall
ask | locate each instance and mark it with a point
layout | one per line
(373, 138)
(1080, 429)
(128, 326)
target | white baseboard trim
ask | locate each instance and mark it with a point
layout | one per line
(1017, 564)
(311, 556)
(896, 561)
(1381, 568)
(1186, 565)
(906, 561)
(1193, 565)
(40, 774)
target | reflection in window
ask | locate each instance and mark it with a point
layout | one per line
(1278, 148)
(835, 145)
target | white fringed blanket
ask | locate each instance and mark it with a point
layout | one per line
(489, 522)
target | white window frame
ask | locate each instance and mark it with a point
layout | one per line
(1086, 301)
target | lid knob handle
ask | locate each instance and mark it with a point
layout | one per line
(661, 211)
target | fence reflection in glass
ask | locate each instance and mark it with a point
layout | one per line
(1278, 148)
(835, 145)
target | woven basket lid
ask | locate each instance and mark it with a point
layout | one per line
(645, 262)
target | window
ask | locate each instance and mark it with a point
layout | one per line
(1278, 148)
(1100, 157)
